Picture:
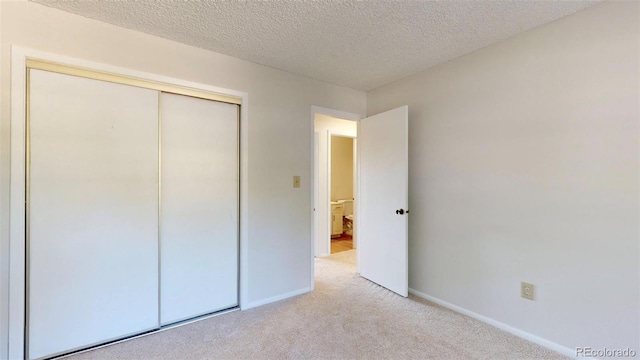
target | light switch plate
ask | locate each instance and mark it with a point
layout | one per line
(296, 181)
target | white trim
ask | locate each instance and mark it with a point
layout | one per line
(333, 113)
(329, 214)
(244, 201)
(17, 206)
(277, 298)
(315, 199)
(341, 115)
(91, 65)
(356, 208)
(502, 326)
(356, 185)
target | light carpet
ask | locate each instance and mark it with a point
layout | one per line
(345, 317)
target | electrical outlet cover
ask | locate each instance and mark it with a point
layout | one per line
(527, 290)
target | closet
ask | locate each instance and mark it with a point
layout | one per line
(132, 207)
(199, 212)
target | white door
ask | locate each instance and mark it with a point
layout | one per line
(92, 212)
(383, 196)
(199, 208)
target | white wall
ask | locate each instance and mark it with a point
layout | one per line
(4, 224)
(279, 104)
(323, 124)
(524, 167)
(341, 168)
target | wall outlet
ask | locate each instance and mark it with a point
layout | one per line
(526, 290)
(296, 181)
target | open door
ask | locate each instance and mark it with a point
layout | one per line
(383, 195)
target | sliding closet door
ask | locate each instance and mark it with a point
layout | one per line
(93, 212)
(199, 209)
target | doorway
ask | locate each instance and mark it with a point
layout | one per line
(381, 189)
(328, 124)
(342, 161)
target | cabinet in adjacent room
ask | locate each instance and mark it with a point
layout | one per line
(337, 214)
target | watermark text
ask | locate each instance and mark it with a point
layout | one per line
(604, 352)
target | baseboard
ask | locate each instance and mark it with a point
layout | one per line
(147, 333)
(502, 326)
(276, 298)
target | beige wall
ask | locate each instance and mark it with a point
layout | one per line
(524, 167)
(279, 126)
(341, 168)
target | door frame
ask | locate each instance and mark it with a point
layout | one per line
(18, 176)
(318, 110)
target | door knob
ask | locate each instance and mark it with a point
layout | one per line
(400, 212)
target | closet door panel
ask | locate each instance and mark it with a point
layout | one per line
(199, 216)
(93, 212)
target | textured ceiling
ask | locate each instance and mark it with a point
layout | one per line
(358, 44)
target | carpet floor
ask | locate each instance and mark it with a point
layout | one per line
(345, 317)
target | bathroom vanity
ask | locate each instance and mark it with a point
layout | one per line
(337, 214)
